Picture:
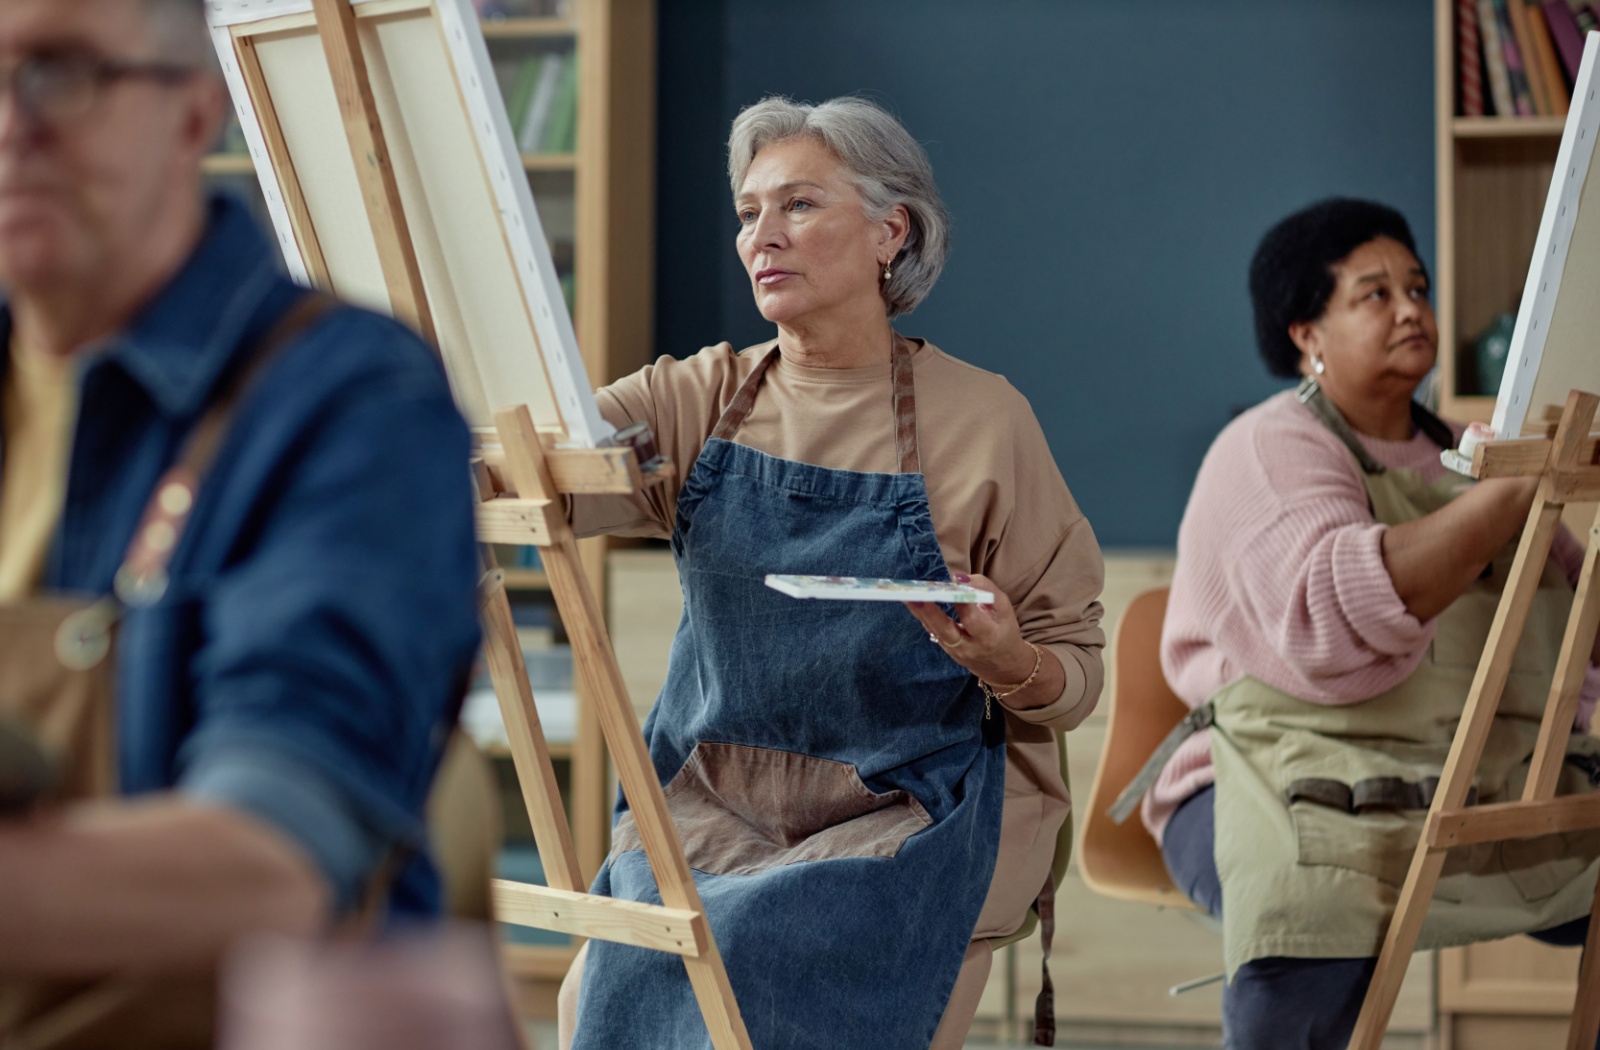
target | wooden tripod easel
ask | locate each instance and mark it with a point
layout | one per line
(520, 483)
(1568, 466)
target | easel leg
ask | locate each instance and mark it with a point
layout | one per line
(536, 775)
(1550, 753)
(1400, 940)
(1585, 1027)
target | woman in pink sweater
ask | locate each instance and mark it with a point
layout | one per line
(1298, 584)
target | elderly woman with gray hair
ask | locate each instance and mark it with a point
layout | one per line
(868, 793)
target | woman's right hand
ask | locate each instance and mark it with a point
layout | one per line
(1434, 559)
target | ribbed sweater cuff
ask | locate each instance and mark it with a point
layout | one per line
(1366, 594)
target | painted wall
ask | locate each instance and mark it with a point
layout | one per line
(1109, 166)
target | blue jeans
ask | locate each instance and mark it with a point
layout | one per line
(1282, 1003)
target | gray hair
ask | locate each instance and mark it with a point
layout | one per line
(888, 166)
(179, 31)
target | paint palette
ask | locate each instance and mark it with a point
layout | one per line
(866, 589)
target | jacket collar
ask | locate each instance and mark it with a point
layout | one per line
(179, 345)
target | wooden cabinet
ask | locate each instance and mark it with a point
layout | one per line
(595, 191)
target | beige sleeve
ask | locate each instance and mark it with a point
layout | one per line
(1050, 566)
(681, 401)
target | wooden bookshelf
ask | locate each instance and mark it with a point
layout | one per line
(1492, 176)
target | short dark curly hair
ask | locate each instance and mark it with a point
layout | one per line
(1291, 273)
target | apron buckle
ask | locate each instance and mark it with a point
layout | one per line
(84, 638)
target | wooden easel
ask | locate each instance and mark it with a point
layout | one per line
(1568, 466)
(520, 483)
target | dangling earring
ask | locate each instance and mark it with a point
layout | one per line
(887, 272)
(1318, 365)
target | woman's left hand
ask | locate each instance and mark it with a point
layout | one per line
(985, 639)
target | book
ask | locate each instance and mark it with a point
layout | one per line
(522, 92)
(1517, 77)
(532, 129)
(1544, 50)
(1568, 38)
(1494, 60)
(1517, 14)
(1584, 13)
(561, 132)
(1469, 59)
(866, 589)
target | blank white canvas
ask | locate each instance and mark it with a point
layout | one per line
(502, 325)
(1555, 347)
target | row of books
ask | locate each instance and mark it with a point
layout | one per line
(541, 93)
(1519, 58)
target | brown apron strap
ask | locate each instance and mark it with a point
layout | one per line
(1373, 793)
(738, 409)
(142, 579)
(905, 409)
(905, 405)
(1044, 1007)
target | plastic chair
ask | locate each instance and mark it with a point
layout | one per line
(1122, 860)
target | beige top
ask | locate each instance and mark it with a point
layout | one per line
(38, 406)
(999, 504)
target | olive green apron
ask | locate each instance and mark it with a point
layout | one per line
(1319, 807)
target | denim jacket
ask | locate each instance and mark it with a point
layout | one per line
(306, 659)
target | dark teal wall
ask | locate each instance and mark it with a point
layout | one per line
(1109, 165)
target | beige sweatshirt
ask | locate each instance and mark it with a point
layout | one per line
(1000, 508)
(37, 409)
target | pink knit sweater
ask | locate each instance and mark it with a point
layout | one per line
(1280, 576)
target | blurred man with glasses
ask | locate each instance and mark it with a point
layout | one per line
(282, 699)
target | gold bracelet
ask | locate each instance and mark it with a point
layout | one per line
(989, 691)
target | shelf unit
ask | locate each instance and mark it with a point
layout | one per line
(598, 208)
(1493, 174)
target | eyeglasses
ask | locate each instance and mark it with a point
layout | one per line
(58, 87)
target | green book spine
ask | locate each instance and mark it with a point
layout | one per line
(561, 134)
(522, 93)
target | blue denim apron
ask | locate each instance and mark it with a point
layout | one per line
(832, 774)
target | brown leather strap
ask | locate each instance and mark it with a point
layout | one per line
(1044, 1007)
(905, 409)
(905, 404)
(1373, 793)
(142, 579)
(738, 409)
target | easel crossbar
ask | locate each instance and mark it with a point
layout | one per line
(1503, 821)
(653, 926)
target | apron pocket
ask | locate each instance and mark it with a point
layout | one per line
(742, 810)
(1378, 844)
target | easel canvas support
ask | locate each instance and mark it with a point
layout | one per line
(521, 475)
(1568, 466)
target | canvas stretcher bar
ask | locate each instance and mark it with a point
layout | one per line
(501, 322)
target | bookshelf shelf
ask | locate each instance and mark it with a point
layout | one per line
(529, 28)
(527, 580)
(550, 161)
(1507, 127)
(229, 164)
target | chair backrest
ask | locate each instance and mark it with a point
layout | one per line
(1122, 860)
